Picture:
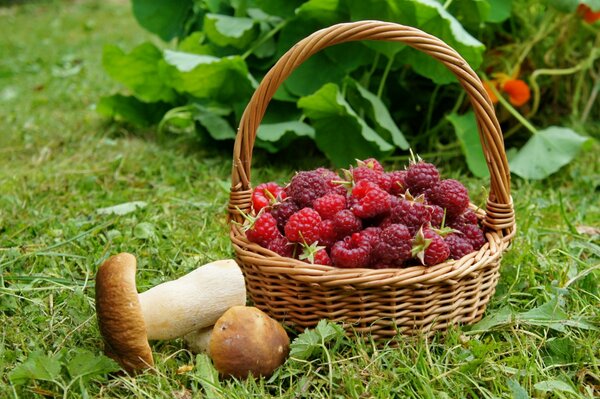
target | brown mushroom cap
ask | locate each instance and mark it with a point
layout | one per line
(245, 341)
(120, 315)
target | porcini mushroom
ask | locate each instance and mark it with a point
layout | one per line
(246, 341)
(128, 320)
(198, 341)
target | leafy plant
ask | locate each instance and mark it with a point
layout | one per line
(339, 98)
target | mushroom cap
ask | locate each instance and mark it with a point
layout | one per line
(245, 340)
(120, 315)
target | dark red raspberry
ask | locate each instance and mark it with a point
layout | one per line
(307, 186)
(411, 213)
(451, 195)
(394, 245)
(346, 223)
(430, 248)
(474, 234)
(459, 245)
(329, 204)
(266, 194)
(371, 200)
(282, 246)
(328, 235)
(333, 181)
(420, 176)
(467, 217)
(371, 163)
(364, 173)
(398, 180)
(437, 215)
(282, 212)
(303, 226)
(262, 229)
(371, 234)
(354, 251)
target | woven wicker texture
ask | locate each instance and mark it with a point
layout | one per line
(386, 301)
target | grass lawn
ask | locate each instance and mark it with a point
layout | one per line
(61, 164)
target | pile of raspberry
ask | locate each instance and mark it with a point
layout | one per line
(366, 218)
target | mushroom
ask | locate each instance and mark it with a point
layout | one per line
(198, 341)
(246, 341)
(127, 320)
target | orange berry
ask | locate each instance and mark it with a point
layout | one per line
(517, 90)
(490, 92)
(587, 14)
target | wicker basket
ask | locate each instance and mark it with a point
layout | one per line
(387, 301)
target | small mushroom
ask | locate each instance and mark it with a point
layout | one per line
(127, 320)
(198, 341)
(246, 341)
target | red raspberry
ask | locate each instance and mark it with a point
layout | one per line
(303, 226)
(474, 234)
(398, 180)
(282, 212)
(394, 245)
(322, 258)
(371, 234)
(430, 248)
(329, 204)
(282, 246)
(333, 181)
(467, 217)
(364, 173)
(459, 246)
(437, 215)
(420, 176)
(266, 194)
(371, 200)
(346, 223)
(354, 251)
(371, 163)
(307, 186)
(411, 213)
(451, 195)
(315, 254)
(328, 235)
(262, 229)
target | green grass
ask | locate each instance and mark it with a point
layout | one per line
(60, 163)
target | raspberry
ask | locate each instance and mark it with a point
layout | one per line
(281, 246)
(282, 212)
(420, 176)
(411, 213)
(329, 204)
(398, 180)
(303, 226)
(394, 245)
(474, 234)
(322, 258)
(437, 215)
(346, 223)
(305, 187)
(328, 235)
(266, 194)
(467, 217)
(314, 254)
(371, 234)
(262, 229)
(371, 163)
(365, 173)
(333, 181)
(451, 195)
(354, 251)
(459, 246)
(371, 200)
(430, 247)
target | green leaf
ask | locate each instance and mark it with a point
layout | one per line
(122, 209)
(518, 392)
(140, 71)
(86, 365)
(555, 385)
(276, 136)
(165, 18)
(129, 109)
(208, 377)
(499, 10)
(311, 341)
(37, 367)
(284, 9)
(382, 118)
(339, 132)
(546, 152)
(222, 79)
(470, 13)
(567, 6)
(465, 127)
(144, 231)
(217, 126)
(224, 30)
(502, 316)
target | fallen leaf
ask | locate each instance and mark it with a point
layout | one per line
(588, 230)
(185, 369)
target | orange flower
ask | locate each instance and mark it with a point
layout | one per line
(517, 90)
(587, 14)
(490, 92)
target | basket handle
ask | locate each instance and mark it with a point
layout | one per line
(499, 215)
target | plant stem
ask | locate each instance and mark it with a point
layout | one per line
(263, 39)
(591, 99)
(386, 71)
(513, 111)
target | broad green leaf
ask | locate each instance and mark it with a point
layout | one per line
(555, 385)
(499, 10)
(215, 124)
(339, 132)
(195, 44)
(87, 364)
(518, 392)
(328, 330)
(37, 367)
(465, 127)
(305, 344)
(470, 13)
(305, 80)
(165, 18)
(497, 318)
(224, 30)
(284, 9)
(324, 11)
(274, 136)
(144, 231)
(140, 71)
(208, 377)
(546, 152)
(122, 209)
(225, 79)
(130, 109)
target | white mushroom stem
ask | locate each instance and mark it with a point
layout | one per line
(194, 301)
(198, 341)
